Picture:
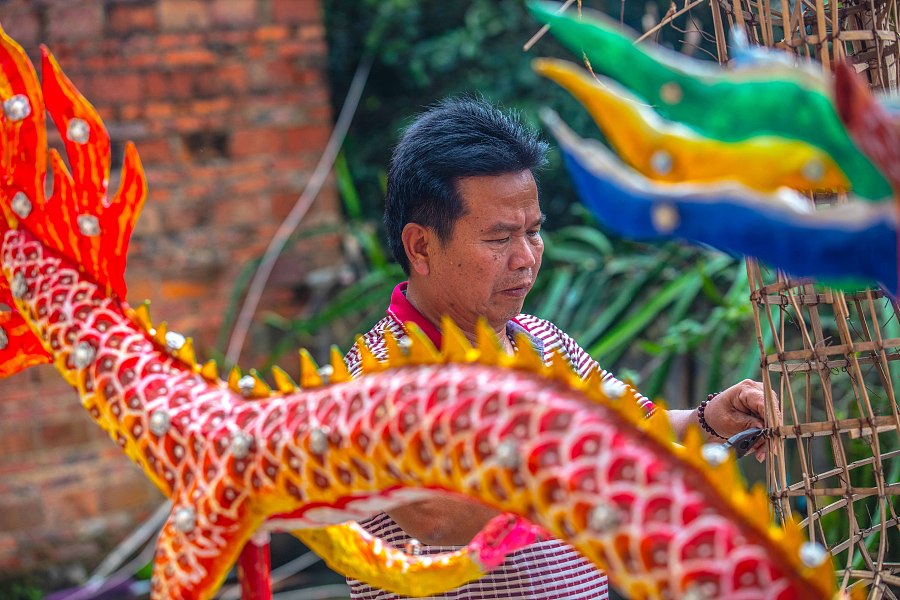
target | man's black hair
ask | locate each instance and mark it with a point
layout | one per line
(457, 137)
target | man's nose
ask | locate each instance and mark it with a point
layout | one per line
(523, 255)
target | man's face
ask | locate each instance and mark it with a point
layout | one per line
(492, 258)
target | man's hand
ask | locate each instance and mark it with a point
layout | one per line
(735, 409)
(738, 408)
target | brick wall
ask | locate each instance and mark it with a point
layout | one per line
(228, 104)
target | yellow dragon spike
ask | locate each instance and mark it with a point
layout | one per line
(186, 353)
(339, 371)
(455, 348)
(261, 389)
(234, 376)
(560, 369)
(757, 506)
(141, 315)
(159, 333)
(658, 426)
(283, 381)
(421, 350)
(693, 444)
(309, 371)
(526, 357)
(369, 363)
(397, 357)
(210, 370)
(487, 343)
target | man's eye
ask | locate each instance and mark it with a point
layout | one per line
(499, 240)
(535, 234)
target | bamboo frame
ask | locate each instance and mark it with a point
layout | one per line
(825, 353)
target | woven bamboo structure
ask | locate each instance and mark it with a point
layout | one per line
(829, 355)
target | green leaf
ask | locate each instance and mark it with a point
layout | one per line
(613, 344)
(346, 187)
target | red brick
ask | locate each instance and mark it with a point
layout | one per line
(158, 110)
(195, 57)
(282, 203)
(272, 33)
(306, 137)
(75, 503)
(212, 106)
(168, 85)
(254, 141)
(256, 51)
(141, 60)
(233, 13)
(77, 20)
(180, 15)
(16, 439)
(117, 88)
(295, 11)
(155, 151)
(20, 513)
(128, 18)
(176, 41)
(233, 78)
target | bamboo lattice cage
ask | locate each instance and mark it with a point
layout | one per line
(831, 356)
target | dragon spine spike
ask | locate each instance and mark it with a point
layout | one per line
(421, 350)
(261, 389)
(159, 333)
(234, 378)
(693, 445)
(758, 507)
(397, 356)
(659, 426)
(369, 363)
(141, 315)
(560, 369)
(487, 343)
(309, 371)
(339, 371)
(526, 356)
(283, 381)
(210, 371)
(455, 348)
(186, 353)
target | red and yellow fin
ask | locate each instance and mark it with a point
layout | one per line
(19, 347)
(78, 220)
(23, 162)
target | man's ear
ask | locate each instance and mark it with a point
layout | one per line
(416, 243)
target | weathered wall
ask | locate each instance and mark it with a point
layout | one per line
(228, 105)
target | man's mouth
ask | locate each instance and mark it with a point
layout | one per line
(517, 290)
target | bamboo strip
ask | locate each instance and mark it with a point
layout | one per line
(855, 427)
(858, 492)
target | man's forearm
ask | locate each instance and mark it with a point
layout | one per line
(681, 419)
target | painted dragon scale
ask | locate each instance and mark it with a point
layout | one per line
(577, 458)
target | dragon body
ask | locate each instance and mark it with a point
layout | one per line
(577, 458)
(781, 101)
(671, 152)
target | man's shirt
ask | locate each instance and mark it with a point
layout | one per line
(546, 570)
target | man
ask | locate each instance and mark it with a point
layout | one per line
(464, 221)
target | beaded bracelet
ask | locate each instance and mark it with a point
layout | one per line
(700, 410)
